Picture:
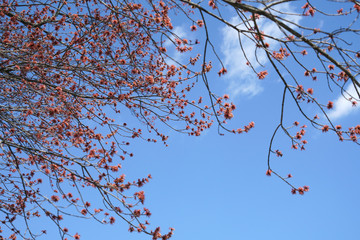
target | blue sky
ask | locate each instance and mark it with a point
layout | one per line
(215, 187)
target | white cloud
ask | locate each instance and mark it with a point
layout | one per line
(179, 32)
(241, 78)
(342, 106)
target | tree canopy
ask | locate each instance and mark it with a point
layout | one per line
(76, 75)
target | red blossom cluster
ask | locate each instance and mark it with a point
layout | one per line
(309, 9)
(212, 4)
(262, 74)
(70, 70)
(300, 190)
(282, 54)
(222, 71)
(278, 153)
(67, 73)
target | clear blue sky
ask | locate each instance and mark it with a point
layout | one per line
(214, 187)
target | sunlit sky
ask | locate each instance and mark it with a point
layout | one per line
(215, 187)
